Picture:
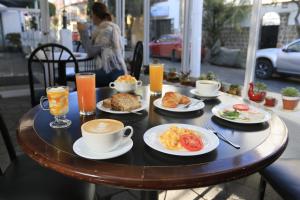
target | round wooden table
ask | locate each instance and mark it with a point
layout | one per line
(147, 169)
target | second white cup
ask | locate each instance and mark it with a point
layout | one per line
(207, 87)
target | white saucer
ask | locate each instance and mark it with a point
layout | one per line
(80, 148)
(194, 92)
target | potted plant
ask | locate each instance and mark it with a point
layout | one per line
(257, 92)
(209, 76)
(290, 98)
(14, 41)
(172, 75)
(234, 89)
(185, 79)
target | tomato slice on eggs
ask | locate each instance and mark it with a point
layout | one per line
(191, 142)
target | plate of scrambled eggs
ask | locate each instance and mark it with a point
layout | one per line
(181, 139)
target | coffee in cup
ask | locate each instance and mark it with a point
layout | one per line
(104, 135)
(207, 87)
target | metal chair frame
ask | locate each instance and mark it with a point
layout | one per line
(49, 65)
(137, 60)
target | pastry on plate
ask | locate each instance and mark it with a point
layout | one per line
(173, 99)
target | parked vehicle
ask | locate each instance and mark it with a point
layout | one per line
(284, 60)
(169, 46)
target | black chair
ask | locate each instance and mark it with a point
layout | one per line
(25, 179)
(284, 177)
(49, 62)
(137, 60)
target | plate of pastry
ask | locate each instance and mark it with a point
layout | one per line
(176, 102)
(122, 103)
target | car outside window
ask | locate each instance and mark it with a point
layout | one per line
(163, 38)
(294, 47)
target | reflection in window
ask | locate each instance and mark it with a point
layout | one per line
(294, 47)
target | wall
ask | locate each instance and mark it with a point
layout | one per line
(233, 39)
(287, 33)
(287, 30)
(11, 21)
(173, 12)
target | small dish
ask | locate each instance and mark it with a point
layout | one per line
(194, 92)
(195, 105)
(81, 149)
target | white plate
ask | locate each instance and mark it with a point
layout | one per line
(81, 149)
(109, 110)
(219, 108)
(210, 140)
(194, 92)
(180, 108)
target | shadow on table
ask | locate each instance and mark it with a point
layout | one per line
(240, 127)
(182, 115)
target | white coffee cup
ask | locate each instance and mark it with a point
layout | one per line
(207, 87)
(123, 87)
(104, 135)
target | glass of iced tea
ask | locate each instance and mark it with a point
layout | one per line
(156, 78)
(58, 98)
(86, 91)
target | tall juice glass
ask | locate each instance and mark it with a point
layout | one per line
(156, 78)
(86, 91)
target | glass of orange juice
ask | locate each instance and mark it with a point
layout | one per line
(156, 78)
(86, 91)
(58, 98)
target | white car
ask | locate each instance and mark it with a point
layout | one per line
(284, 60)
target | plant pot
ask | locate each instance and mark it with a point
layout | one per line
(258, 96)
(270, 101)
(290, 103)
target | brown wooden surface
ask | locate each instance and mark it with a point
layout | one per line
(143, 167)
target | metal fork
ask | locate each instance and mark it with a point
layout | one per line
(222, 137)
(190, 104)
(135, 112)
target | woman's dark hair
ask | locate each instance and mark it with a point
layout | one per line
(101, 11)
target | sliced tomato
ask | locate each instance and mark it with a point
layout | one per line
(241, 107)
(191, 142)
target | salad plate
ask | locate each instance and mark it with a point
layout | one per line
(209, 139)
(241, 113)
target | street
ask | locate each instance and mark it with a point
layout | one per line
(236, 75)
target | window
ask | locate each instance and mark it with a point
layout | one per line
(294, 47)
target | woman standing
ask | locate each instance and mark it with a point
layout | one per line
(105, 45)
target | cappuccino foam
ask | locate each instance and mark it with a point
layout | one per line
(103, 126)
